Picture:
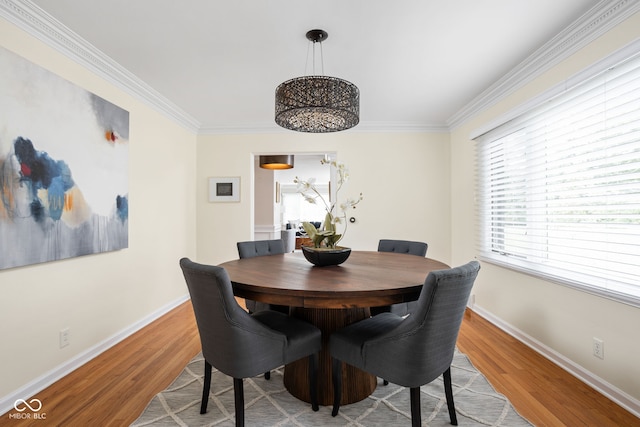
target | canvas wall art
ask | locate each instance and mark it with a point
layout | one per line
(224, 189)
(63, 167)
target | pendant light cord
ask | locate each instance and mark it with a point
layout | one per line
(321, 59)
(306, 65)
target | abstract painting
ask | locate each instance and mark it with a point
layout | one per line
(64, 155)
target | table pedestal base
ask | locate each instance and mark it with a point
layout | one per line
(356, 384)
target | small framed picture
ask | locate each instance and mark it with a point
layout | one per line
(224, 189)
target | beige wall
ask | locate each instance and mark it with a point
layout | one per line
(404, 178)
(560, 318)
(99, 296)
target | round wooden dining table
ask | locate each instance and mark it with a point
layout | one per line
(330, 298)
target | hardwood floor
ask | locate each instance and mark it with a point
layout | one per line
(540, 391)
(114, 388)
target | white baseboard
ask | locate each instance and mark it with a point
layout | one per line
(623, 399)
(44, 381)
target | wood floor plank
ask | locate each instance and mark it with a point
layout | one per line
(114, 388)
(540, 391)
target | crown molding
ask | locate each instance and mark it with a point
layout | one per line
(36, 22)
(402, 127)
(597, 21)
(238, 129)
(627, 52)
(362, 127)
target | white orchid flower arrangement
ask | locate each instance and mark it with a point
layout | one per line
(328, 236)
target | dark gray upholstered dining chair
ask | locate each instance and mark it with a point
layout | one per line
(409, 351)
(240, 344)
(403, 247)
(255, 248)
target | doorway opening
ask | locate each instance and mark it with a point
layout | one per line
(279, 209)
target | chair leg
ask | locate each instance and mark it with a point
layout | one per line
(448, 391)
(267, 375)
(416, 416)
(336, 378)
(238, 394)
(313, 381)
(206, 387)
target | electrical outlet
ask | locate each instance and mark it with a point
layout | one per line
(598, 348)
(64, 337)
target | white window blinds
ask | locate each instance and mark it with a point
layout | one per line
(559, 187)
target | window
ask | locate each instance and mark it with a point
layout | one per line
(559, 187)
(296, 209)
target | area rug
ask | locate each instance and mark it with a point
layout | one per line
(267, 403)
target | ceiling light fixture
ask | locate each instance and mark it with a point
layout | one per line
(277, 162)
(318, 103)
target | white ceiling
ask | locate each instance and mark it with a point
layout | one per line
(416, 62)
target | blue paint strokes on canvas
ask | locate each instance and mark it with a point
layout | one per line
(37, 210)
(46, 212)
(40, 172)
(56, 198)
(44, 216)
(122, 207)
(37, 191)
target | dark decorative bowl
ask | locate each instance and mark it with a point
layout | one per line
(323, 257)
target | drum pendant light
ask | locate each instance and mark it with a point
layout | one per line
(277, 162)
(317, 103)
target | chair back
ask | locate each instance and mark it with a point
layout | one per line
(403, 247)
(229, 335)
(425, 341)
(255, 248)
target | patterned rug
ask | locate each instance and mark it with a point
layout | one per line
(268, 403)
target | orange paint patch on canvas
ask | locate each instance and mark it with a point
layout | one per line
(68, 201)
(111, 136)
(7, 195)
(79, 211)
